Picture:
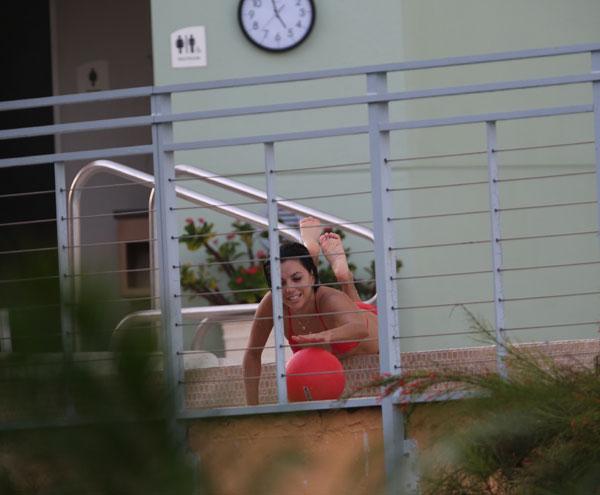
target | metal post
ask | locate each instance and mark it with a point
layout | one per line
(65, 275)
(168, 261)
(5, 334)
(596, 92)
(496, 247)
(385, 267)
(273, 216)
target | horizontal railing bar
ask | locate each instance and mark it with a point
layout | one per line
(384, 97)
(97, 154)
(47, 101)
(74, 127)
(346, 131)
(278, 408)
(266, 138)
(487, 117)
(370, 69)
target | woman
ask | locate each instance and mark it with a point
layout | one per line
(313, 315)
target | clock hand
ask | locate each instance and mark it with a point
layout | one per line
(277, 10)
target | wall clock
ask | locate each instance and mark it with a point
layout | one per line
(276, 25)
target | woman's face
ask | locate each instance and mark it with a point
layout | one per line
(297, 285)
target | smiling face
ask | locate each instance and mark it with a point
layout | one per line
(297, 285)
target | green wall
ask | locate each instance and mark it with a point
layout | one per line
(349, 34)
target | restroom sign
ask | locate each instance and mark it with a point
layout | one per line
(188, 47)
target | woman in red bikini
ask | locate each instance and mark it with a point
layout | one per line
(313, 314)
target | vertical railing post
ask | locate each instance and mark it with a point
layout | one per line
(168, 261)
(5, 333)
(65, 275)
(273, 216)
(385, 268)
(494, 197)
(595, 55)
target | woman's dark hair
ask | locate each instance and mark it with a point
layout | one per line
(294, 251)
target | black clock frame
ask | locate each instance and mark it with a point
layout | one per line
(278, 50)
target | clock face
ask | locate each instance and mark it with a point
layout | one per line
(276, 25)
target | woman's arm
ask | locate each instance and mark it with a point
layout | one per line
(341, 316)
(261, 328)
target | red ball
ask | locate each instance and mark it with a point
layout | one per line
(314, 374)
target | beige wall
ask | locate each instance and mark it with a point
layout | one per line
(118, 33)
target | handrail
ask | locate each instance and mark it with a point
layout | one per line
(147, 180)
(252, 192)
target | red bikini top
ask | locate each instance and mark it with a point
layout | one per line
(337, 348)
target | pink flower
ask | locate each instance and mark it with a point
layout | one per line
(239, 280)
(230, 236)
(261, 254)
(189, 221)
(252, 270)
(201, 220)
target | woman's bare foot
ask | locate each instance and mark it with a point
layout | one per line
(333, 249)
(310, 230)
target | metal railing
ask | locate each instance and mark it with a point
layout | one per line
(399, 319)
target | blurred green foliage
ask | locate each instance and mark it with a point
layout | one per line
(535, 432)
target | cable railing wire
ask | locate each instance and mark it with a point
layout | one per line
(551, 325)
(436, 156)
(439, 215)
(28, 222)
(446, 244)
(29, 279)
(443, 305)
(436, 275)
(438, 186)
(112, 272)
(109, 243)
(114, 214)
(542, 146)
(30, 250)
(554, 205)
(541, 267)
(549, 296)
(28, 193)
(546, 236)
(540, 177)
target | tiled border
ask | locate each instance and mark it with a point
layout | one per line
(224, 386)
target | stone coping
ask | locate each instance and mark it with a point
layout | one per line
(214, 387)
(207, 384)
